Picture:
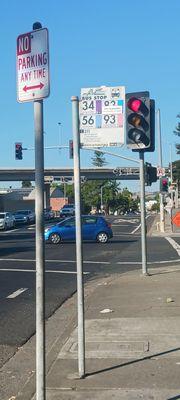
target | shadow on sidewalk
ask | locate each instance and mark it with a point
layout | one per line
(133, 362)
(164, 272)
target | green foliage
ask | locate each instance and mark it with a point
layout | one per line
(177, 132)
(98, 160)
(123, 202)
(91, 194)
(176, 170)
(155, 207)
(69, 191)
(26, 184)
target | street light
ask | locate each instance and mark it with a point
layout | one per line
(101, 197)
(60, 134)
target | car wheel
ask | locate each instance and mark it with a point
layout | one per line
(55, 238)
(102, 237)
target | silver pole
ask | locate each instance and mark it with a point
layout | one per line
(159, 137)
(64, 190)
(79, 255)
(40, 263)
(101, 197)
(143, 215)
(171, 167)
(171, 177)
(162, 222)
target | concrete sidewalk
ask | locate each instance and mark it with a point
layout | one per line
(132, 351)
(132, 343)
(169, 229)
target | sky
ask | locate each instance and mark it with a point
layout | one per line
(119, 43)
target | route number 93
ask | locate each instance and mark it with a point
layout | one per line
(109, 119)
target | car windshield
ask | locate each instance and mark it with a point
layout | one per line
(2, 216)
(68, 206)
(67, 222)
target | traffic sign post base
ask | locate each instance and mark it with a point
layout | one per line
(162, 226)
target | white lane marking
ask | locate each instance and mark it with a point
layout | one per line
(116, 226)
(129, 220)
(174, 244)
(136, 229)
(11, 231)
(139, 226)
(53, 261)
(124, 234)
(16, 293)
(149, 262)
(47, 270)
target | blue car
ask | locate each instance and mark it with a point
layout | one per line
(93, 228)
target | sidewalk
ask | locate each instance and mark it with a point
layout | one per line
(132, 348)
(170, 229)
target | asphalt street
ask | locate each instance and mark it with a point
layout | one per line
(17, 271)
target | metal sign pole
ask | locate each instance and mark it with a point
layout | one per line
(79, 256)
(143, 215)
(40, 251)
(161, 200)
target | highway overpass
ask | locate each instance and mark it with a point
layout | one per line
(28, 174)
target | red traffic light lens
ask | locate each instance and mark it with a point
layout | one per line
(134, 104)
(164, 182)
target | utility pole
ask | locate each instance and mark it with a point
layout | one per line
(162, 222)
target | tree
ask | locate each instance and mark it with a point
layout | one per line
(155, 207)
(176, 171)
(91, 194)
(98, 160)
(26, 184)
(177, 132)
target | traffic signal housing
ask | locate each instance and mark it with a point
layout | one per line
(18, 151)
(140, 121)
(164, 184)
(71, 149)
(150, 174)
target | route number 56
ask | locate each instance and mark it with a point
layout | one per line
(87, 120)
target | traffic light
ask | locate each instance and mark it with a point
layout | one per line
(164, 183)
(18, 151)
(150, 174)
(71, 149)
(140, 121)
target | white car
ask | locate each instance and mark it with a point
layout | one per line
(68, 210)
(7, 220)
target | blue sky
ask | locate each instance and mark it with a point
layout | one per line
(133, 43)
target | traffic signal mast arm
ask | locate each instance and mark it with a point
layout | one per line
(111, 154)
(48, 147)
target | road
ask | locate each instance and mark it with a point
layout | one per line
(17, 272)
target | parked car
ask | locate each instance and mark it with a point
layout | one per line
(93, 228)
(67, 210)
(24, 216)
(20, 218)
(7, 220)
(48, 214)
